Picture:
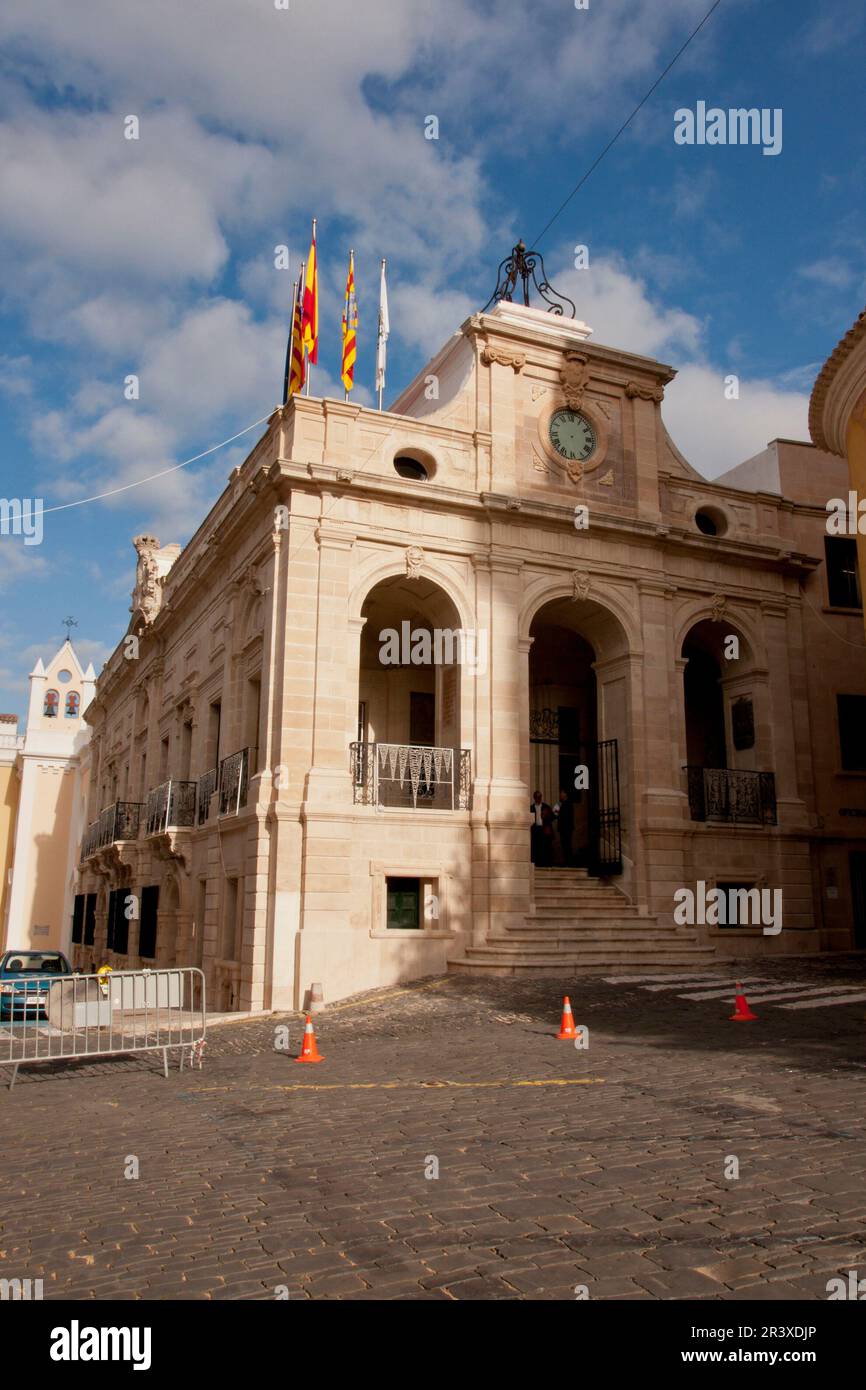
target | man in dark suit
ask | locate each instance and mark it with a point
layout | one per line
(541, 823)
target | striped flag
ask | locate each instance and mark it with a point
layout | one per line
(382, 338)
(350, 328)
(295, 370)
(311, 303)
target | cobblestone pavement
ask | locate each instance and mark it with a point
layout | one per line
(557, 1167)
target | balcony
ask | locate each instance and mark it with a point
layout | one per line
(173, 804)
(120, 821)
(731, 795)
(406, 774)
(232, 786)
(207, 785)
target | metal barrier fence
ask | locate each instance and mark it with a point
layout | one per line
(102, 1015)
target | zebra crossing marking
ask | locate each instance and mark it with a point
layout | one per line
(826, 1003)
(728, 992)
(793, 991)
(680, 977)
(761, 990)
(703, 983)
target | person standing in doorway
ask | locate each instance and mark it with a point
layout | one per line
(541, 830)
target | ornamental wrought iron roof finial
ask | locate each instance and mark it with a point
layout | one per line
(526, 265)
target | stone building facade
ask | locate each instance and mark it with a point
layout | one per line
(314, 752)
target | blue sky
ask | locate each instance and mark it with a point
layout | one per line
(155, 256)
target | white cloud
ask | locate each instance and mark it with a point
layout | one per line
(832, 272)
(711, 432)
(20, 562)
(15, 376)
(427, 316)
(147, 208)
(618, 307)
(715, 434)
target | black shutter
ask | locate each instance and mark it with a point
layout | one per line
(148, 923)
(90, 919)
(121, 922)
(78, 919)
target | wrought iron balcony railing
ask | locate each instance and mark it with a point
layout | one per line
(171, 804)
(407, 774)
(233, 776)
(207, 785)
(120, 821)
(729, 794)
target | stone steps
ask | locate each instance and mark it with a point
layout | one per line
(488, 960)
(579, 922)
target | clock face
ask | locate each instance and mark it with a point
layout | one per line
(571, 435)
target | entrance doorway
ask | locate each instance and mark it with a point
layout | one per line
(567, 762)
(562, 735)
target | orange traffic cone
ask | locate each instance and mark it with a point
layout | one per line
(309, 1051)
(566, 1027)
(742, 1013)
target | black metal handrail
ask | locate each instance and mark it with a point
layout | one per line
(233, 775)
(207, 785)
(409, 774)
(732, 795)
(171, 804)
(119, 821)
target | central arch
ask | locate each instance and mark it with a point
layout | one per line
(578, 750)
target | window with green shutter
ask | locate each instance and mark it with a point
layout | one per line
(404, 904)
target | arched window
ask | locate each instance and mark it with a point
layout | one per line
(73, 701)
(52, 704)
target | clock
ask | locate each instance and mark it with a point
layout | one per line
(571, 435)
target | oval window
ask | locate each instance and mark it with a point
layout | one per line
(410, 468)
(711, 522)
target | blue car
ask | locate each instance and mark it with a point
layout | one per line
(24, 980)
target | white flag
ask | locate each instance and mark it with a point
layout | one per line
(384, 330)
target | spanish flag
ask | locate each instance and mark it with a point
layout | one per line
(295, 369)
(350, 328)
(311, 303)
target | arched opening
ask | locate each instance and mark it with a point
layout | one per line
(412, 658)
(724, 747)
(578, 723)
(706, 744)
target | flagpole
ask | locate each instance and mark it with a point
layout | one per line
(309, 364)
(381, 383)
(288, 376)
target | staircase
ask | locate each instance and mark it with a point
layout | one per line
(580, 921)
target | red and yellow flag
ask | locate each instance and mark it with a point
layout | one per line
(310, 327)
(350, 328)
(296, 374)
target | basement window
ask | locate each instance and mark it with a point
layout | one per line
(404, 904)
(725, 912)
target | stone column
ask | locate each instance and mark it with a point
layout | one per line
(660, 800)
(788, 712)
(508, 807)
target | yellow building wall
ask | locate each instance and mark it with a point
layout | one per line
(9, 784)
(855, 442)
(52, 814)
